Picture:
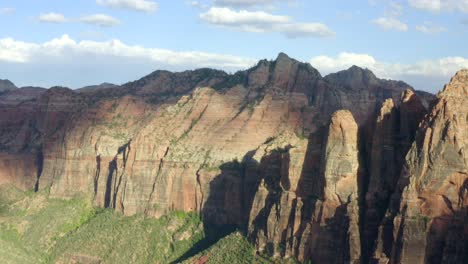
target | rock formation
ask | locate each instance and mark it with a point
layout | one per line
(6, 85)
(427, 218)
(269, 150)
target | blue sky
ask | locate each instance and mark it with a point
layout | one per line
(77, 43)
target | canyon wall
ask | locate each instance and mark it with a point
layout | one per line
(330, 169)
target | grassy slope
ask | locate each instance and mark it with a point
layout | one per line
(232, 249)
(37, 229)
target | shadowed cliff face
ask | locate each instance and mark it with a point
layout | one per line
(268, 150)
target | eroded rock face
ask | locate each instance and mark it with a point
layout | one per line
(268, 150)
(431, 199)
(393, 135)
(334, 229)
(290, 219)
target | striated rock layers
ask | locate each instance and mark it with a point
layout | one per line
(317, 215)
(427, 219)
(308, 166)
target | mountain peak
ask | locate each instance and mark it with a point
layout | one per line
(458, 84)
(283, 56)
(356, 69)
(6, 85)
(354, 77)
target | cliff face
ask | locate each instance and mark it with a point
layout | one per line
(268, 150)
(427, 218)
(395, 130)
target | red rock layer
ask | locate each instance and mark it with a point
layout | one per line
(265, 149)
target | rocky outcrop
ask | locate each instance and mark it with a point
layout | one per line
(334, 229)
(430, 201)
(311, 222)
(6, 85)
(92, 88)
(393, 135)
(268, 150)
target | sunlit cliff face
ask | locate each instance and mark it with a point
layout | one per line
(307, 165)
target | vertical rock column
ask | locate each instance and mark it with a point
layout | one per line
(334, 236)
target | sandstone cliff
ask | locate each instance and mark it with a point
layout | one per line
(427, 218)
(268, 150)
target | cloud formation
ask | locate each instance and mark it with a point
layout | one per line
(243, 3)
(146, 6)
(7, 10)
(429, 28)
(260, 21)
(389, 23)
(52, 17)
(440, 5)
(394, 9)
(62, 49)
(101, 20)
(64, 61)
(59, 59)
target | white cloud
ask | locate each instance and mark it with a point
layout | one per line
(136, 5)
(100, 20)
(16, 51)
(66, 49)
(197, 4)
(431, 5)
(257, 21)
(64, 61)
(7, 10)
(395, 9)
(429, 28)
(59, 59)
(442, 68)
(260, 21)
(440, 5)
(343, 61)
(299, 30)
(52, 18)
(389, 23)
(243, 3)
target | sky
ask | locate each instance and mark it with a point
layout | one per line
(77, 43)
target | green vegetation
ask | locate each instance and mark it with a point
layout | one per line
(233, 249)
(37, 229)
(421, 218)
(231, 81)
(303, 135)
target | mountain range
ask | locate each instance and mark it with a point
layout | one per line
(343, 168)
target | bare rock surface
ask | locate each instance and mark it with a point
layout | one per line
(431, 198)
(331, 169)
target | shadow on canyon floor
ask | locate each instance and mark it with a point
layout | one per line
(247, 192)
(230, 197)
(232, 193)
